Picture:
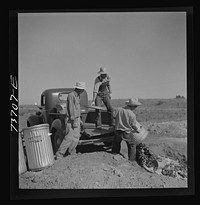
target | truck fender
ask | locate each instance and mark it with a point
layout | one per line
(34, 120)
(57, 134)
(57, 124)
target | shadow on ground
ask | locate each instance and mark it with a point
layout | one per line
(94, 148)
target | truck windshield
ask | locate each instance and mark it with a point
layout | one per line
(62, 97)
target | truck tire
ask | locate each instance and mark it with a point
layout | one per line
(55, 140)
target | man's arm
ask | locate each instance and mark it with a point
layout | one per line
(94, 97)
(70, 107)
(133, 122)
(97, 83)
(109, 86)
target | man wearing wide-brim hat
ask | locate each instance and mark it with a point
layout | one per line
(125, 125)
(72, 121)
(102, 92)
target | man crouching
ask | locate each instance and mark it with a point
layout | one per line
(127, 128)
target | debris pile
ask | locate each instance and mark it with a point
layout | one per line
(145, 158)
(171, 167)
(158, 164)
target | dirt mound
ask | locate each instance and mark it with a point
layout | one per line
(96, 170)
(94, 166)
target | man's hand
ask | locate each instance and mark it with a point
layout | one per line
(93, 103)
(75, 124)
(135, 129)
(104, 80)
(81, 122)
(82, 125)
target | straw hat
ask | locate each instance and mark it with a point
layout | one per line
(80, 85)
(102, 70)
(133, 102)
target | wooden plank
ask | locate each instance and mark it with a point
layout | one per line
(96, 107)
(97, 132)
(93, 141)
(91, 130)
(57, 114)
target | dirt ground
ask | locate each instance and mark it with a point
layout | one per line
(95, 167)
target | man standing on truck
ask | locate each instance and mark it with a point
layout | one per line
(125, 124)
(72, 121)
(102, 92)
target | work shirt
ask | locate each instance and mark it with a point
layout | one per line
(102, 85)
(73, 106)
(125, 119)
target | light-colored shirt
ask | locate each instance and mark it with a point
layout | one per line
(98, 82)
(73, 106)
(125, 119)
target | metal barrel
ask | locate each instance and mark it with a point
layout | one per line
(38, 147)
(21, 160)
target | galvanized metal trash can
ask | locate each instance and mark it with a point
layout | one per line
(38, 147)
(21, 159)
(140, 135)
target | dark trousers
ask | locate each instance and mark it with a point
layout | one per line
(116, 146)
(98, 102)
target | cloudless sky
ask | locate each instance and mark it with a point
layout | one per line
(144, 52)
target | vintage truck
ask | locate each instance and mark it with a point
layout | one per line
(52, 111)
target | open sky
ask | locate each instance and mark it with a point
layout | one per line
(144, 52)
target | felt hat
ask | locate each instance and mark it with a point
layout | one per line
(133, 102)
(102, 70)
(80, 85)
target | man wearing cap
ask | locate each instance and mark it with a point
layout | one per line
(102, 92)
(125, 124)
(72, 121)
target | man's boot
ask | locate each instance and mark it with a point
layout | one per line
(131, 152)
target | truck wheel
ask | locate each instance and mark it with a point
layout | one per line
(55, 139)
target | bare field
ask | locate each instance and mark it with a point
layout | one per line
(152, 110)
(95, 167)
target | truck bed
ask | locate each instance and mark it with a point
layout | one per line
(91, 134)
(92, 131)
(96, 135)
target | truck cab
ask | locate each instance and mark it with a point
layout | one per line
(54, 101)
(52, 111)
